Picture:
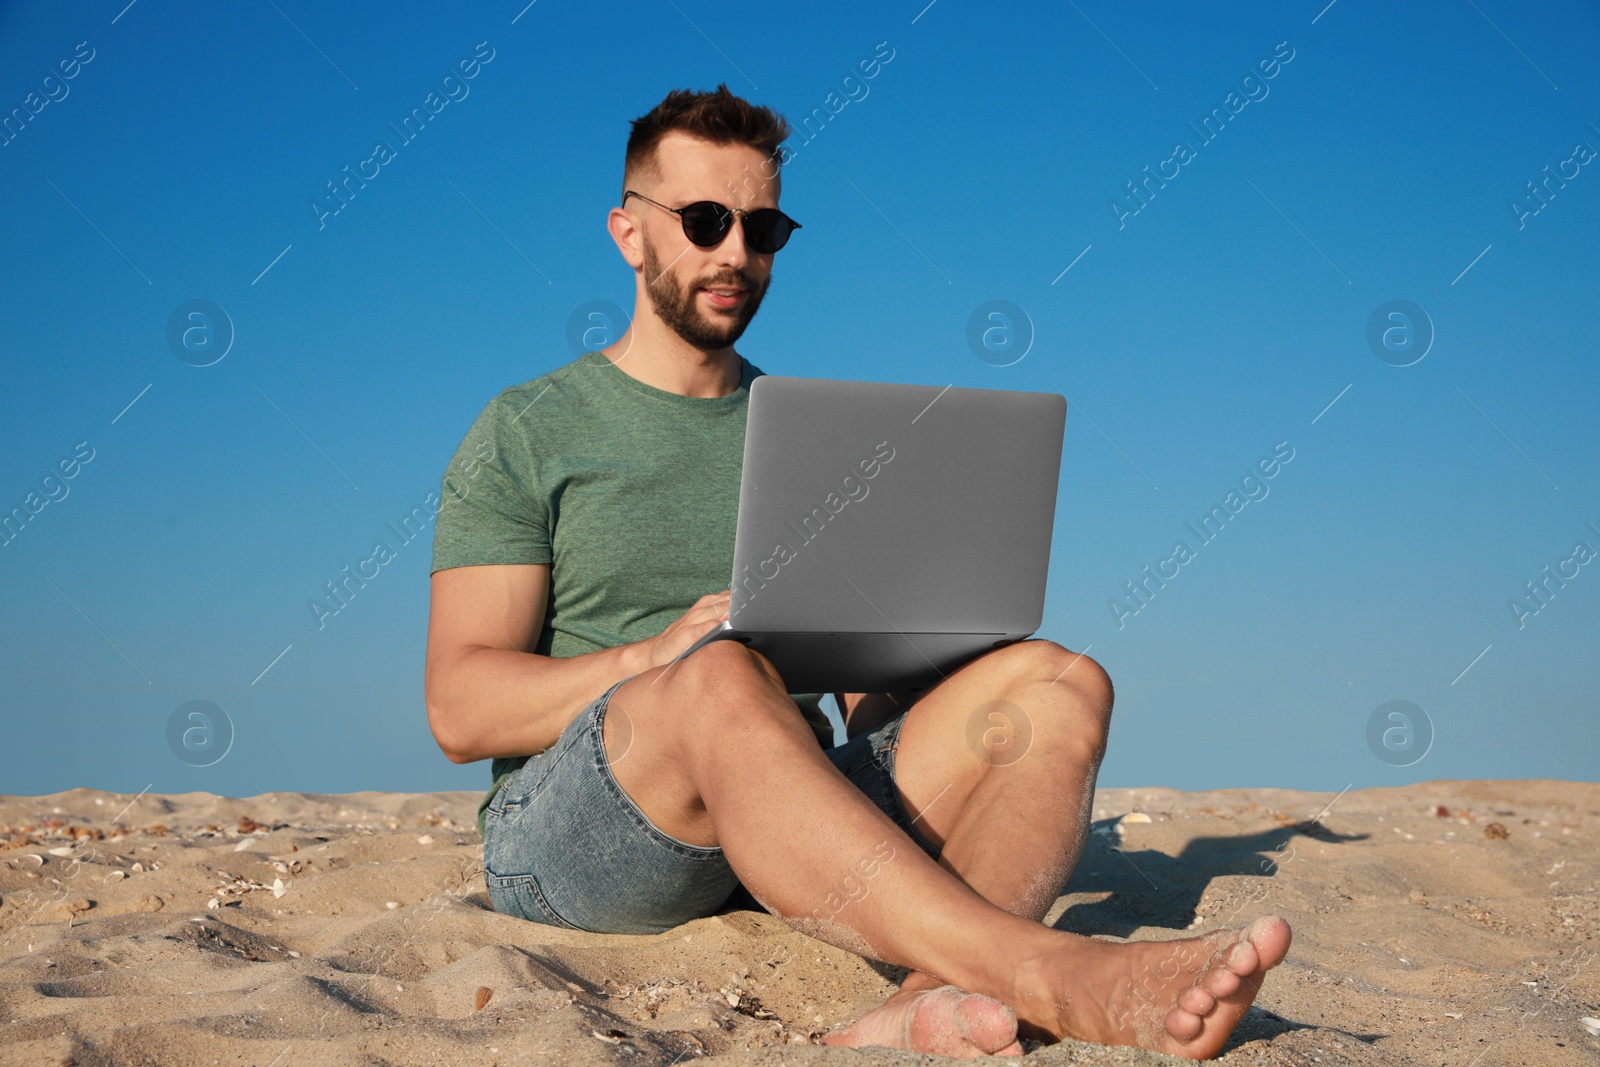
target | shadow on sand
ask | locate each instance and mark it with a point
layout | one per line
(1150, 888)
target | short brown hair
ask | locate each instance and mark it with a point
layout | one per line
(718, 116)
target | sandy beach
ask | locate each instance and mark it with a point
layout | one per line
(1440, 923)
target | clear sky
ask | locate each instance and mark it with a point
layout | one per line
(1200, 213)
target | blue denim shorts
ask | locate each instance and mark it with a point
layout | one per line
(564, 845)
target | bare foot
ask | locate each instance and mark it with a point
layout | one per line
(945, 1021)
(1180, 997)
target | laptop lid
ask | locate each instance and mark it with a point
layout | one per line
(870, 507)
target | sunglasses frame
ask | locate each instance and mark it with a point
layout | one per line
(740, 213)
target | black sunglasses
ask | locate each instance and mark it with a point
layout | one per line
(706, 223)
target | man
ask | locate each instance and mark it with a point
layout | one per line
(591, 511)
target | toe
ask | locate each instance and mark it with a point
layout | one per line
(1196, 1000)
(1271, 936)
(1221, 982)
(1243, 959)
(986, 1022)
(1183, 1025)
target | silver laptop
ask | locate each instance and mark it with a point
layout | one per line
(888, 534)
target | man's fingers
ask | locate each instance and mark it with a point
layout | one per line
(718, 602)
(707, 614)
(711, 600)
(704, 616)
(691, 634)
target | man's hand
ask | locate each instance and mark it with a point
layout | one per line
(707, 613)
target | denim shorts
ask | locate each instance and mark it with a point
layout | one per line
(564, 845)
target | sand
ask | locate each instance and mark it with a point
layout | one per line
(1440, 923)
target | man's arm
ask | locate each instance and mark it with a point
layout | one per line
(489, 694)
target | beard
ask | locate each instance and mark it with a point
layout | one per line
(677, 304)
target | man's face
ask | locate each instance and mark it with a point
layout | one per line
(681, 276)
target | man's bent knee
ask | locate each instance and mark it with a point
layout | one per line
(1040, 659)
(719, 680)
(724, 663)
(1075, 676)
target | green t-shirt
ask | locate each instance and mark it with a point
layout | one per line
(629, 492)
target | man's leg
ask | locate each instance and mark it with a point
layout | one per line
(713, 751)
(997, 764)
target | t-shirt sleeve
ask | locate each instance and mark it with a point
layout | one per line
(493, 505)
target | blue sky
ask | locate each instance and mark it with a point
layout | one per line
(1229, 313)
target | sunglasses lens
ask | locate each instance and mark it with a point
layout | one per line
(706, 223)
(767, 230)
